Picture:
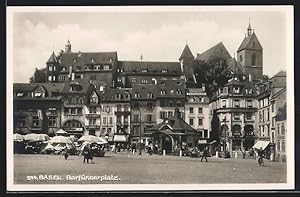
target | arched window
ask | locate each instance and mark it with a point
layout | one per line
(253, 59)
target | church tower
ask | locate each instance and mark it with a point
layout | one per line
(250, 55)
(186, 61)
(68, 47)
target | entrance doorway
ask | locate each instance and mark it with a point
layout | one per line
(167, 143)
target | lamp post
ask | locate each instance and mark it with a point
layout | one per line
(107, 110)
(140, 153)
(225, 136)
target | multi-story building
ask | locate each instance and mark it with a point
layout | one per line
(235, 106)
(197, 113)
(281, 134)
(37, 108)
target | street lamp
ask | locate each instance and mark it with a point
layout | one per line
(107, 110)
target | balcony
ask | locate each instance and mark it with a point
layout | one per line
(92, 126)
(92, 115)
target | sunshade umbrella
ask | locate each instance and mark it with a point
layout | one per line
(61, 132)
(18, 137)
(102, 141)
(60, 139)
(90, 138)
(36, 137)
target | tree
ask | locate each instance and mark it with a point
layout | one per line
(214, 74)
(39, 76)
(215, 128)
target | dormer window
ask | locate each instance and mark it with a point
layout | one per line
(163, 92)
(20, 94)
(119, 79)
(78, 68)
(236, 90)
(38, 94)
(144, 70)
(150, 95)
(164, 70)
(133, 80)
(106, 67)
(92, 60)
(172, 92)
(179, 92)
(163, 83)
(74, 60)
(137, 95)
(94, 98)
(144, 81)
(63, 68)
(118, 96)
(225, 90)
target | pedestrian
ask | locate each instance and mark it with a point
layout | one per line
(85, 153)
(204, 154)
(66, 153)
(90, 155)
(113, 147)
(243, 152)
(133, 148)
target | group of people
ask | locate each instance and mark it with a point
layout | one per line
(87, 154)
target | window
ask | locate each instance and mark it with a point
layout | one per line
(162, 92)
(52, 121)
(163, 115)
(205, 134)
(241, 58)
(20, 94)
(137, 95)
(170, 113)
(93, 77)
(223, 103)
(136, 118)
(109, 130)
(149, 105)
(103, 130)
(110, 120)
(104, 120)
(125, 119)
(126, 108)
(283, 146)
(92, 110)
(278, 128)
(236, 116)
(278, 145)
(62, 77)
(106, 67)
(92, 121)
(273, 121)
(163, 83)
(248, 115)
(21, 120)
(200, 110)
(150, 95)
(144, 70)
(282, 129)
(38, 94)
(50, 78)
(191, 110)
(50, 68)
(164, 70)
(249, 103)
(119, 108)
(191, 121)
(236, 90)
(268, 114)
(133, 80)
(119, 79)
(149, 117)
(118, 119)
(200, 121)
(171, 91)
(35, 121)
(253, 59)
(144, 81)
(236, 103)
(179, 92)
(179, 104)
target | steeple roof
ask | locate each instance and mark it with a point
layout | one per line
(52, 58)
(186, 53)
(246, 44)
(218, 51)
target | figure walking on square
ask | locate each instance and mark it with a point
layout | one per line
(66, 153)
(85, 153)
(205, 153)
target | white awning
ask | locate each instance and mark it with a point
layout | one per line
(120, 138)
(261, 144)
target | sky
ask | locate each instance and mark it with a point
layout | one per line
(158, 35)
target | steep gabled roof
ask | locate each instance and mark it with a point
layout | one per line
(52, 58)
(186, 53)
(218, 51)
(246, 44)
(281, 115)
(281, 73)
(235, 66)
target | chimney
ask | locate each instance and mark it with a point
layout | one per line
(203, 87)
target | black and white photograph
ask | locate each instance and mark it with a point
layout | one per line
(129, 98)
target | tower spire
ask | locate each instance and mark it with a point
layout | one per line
(249, 29)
